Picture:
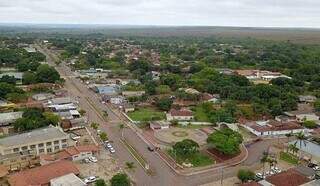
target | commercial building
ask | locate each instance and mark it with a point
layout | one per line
(159, 125)
(41, 141)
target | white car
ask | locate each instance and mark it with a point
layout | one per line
(316, 168)
(93, 159)
(90, 179)
(109, 145)
(112, 150)
(87, 160)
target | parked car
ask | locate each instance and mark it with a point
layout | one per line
(93, 159)
(259, 177)
(151, 149)
(276, 169)
(112, 150)
(312, 165)
(90, 179)
(109, 145)
(86, 160)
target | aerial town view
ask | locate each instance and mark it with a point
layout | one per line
(159, 93)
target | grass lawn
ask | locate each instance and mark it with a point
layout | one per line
(200, 114)
(146, 114)
(287, 157)
(197, 160)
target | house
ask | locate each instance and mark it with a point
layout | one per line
(106, 89)
(61, 101)
(42, 96)
(180, 115)
(63, 108)
(306, 171)
(273, 127)
(133, 93)
(42, 175)
(30, 49)
(159, 125)
(41, 141)
(290, 177)
(72, 153)
(307, 117)
(213, 98)
(9, 118)
(128, 108)
(307, 99)
(155, 75)
(190, 91)
(19, 160)
(6, 121)
(67, 180)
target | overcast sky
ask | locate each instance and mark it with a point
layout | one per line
(257, 13)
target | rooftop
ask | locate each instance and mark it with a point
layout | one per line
(17, 75)
(9, 117)
(43, 174)
(181, 112)
(68, 180)
(272, 125)
(44, 134)
(309, 147)
(59, 101)
(288, 178)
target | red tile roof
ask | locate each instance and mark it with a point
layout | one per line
(182, 112)
(42, 175)
(273, 125)
(288, 178)
(253, 183)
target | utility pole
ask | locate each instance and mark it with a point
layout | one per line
(222, 176)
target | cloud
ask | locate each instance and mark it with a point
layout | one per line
(281, 13)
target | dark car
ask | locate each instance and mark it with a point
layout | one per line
(151, 149)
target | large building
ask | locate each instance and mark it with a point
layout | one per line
(41, 141)
(180, 115)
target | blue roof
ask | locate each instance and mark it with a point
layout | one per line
(110, 90)
(309, 147)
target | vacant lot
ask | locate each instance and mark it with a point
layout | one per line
(146, 114)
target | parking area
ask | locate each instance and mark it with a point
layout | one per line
(104, 168)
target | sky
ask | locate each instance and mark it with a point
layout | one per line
(245, 13)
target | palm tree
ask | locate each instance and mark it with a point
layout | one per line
(301, 138)
(264, 160)
(130, 165)
(288, 135)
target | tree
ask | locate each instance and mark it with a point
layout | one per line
(120, 179)
(164, 104)
(130, 166)
(226, 141)
(310, 124)
(301, 139)
(317, 105)
(100, 182)
(6, 89)
(245, 175)
(103, 136)
(82, 112)
(94, 125)
(47, 74)
(185, 148)
(288, 135)
(29, 78)
(8, 79)
(51, 118)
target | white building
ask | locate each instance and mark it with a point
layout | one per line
(180, 115)
(273, 128)
(41, 141)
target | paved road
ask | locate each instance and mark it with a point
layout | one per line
(164, 176)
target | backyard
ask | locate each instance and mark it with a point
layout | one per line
(146, 114)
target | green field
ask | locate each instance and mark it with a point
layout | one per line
(146, 114)
(287, 157)
(200, 115)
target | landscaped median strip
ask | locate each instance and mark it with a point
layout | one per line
(142, 162)
(95, 108)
